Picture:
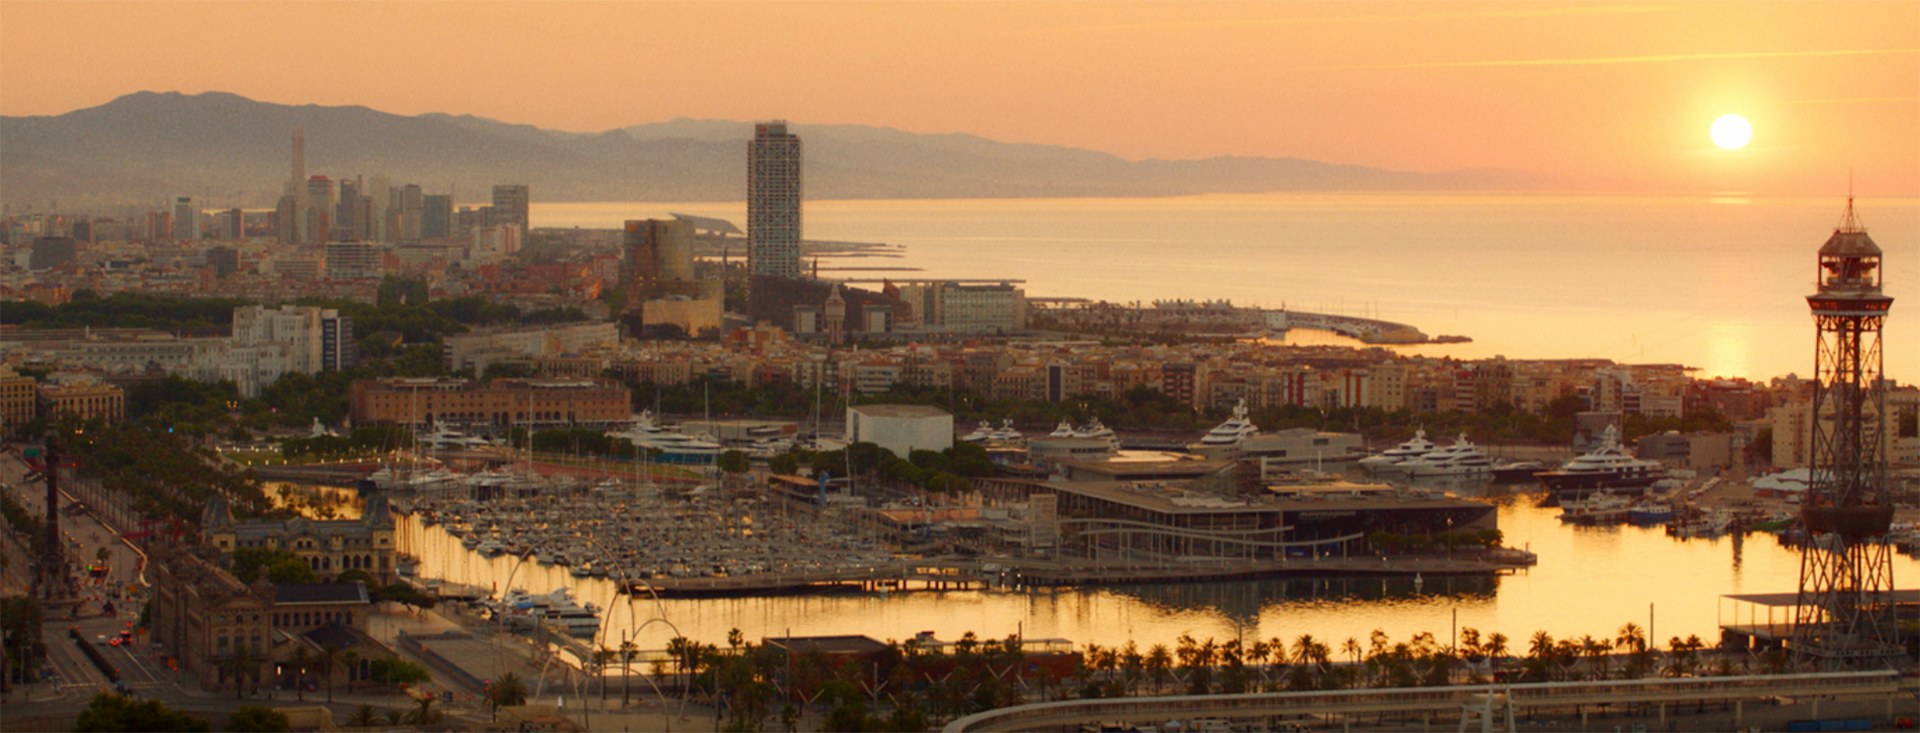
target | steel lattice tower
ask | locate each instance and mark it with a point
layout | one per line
(1846, 607)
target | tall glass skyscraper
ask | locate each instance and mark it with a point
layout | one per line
(773, 201)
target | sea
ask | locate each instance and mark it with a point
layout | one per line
(1712, 282)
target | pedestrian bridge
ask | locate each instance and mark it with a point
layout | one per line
(1447, 701)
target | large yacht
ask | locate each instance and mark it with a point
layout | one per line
(1606, 467)
(1234, 430)
(674, 447)
(1389, 461)
(1463, 458)
(446, 438)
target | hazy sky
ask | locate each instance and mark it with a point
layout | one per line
(1617, 95)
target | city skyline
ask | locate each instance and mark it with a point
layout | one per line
(1605, 96)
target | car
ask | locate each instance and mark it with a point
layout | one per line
(100, 639)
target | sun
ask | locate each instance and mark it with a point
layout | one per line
(1731, 132)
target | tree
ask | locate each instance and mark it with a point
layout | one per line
(328, 659)
(298, 662)
(20, 622)
(732, 461)
(257, 718)
(364, 717)
(110, 712)
(242, 665)
(397, 672)
(423, 712)
(351, 659)
(507, 691)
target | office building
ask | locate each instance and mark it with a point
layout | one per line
(773, 201)
(510, 206)
(50, 253)
(186, 219)
(436, 216)
(319, 223)
(659, 257)
(354, 260)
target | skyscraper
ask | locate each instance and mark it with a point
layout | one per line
(186, 219)
(412, 209)
(436, 216)
(349, 216)
(659, 256)
(296, 230)
(773, 201)
(319, 208)
(510, 206)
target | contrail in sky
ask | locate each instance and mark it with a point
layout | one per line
(1628, 59)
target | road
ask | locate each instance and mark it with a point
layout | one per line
(108, 604)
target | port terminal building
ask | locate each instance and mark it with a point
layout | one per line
(1217, 516)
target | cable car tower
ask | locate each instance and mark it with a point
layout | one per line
(1846, 609)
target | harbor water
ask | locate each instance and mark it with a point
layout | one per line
(1589, 580)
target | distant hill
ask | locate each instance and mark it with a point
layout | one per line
(148, 147)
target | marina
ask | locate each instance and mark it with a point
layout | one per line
(1623, 568)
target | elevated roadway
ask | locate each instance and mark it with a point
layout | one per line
(1440, 701)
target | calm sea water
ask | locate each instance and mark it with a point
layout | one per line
(1590, 580)
(1716, 283)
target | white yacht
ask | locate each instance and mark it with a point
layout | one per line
(1389, 461)
(1234, 430)
(1463, 458)
(446, 438)
(674, 447)
(1609, 466)
(980, 434)
(1006, 432)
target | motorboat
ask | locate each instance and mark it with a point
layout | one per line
(1463, 458)
(1231, 432)
(1608, 467)
(1389, 460)
(1600, 508)
(1650, 512)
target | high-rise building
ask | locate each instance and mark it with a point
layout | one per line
(186, 219)
(349, 216)
(234, 226)
(773, 201)
(659, 257)
(319, 223)
(293, 228)
(379, 193)
(510, 206)
(436, 216)
(51, 252)
(412, 209)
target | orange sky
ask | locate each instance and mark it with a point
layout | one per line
(1617, 95)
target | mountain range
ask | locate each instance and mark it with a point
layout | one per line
(227, 150)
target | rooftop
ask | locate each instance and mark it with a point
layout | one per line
(296, 593)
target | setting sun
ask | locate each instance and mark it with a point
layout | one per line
(1731, 132)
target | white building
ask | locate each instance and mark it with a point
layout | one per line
(900, 428)
(354, 260)
(479, 349)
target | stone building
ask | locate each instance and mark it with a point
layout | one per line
(328, 546)
(225, 631)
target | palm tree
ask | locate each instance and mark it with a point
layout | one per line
(1351, 648)
(1159, 660)
(351, 660)
(628, 650)
(299, 661)
(506, 692)
(329, 655)
(425, 714)
(240, 664)
(364, 717)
